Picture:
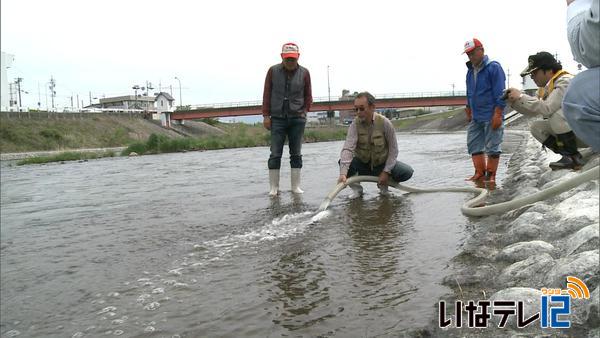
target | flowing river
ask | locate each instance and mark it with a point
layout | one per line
(191, 245)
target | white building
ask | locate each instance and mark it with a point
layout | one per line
(164, 102)
(164, 107)
(127, 102)
(5, 62)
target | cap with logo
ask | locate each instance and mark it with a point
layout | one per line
(290, 50)
(542, 60)
(471, 45)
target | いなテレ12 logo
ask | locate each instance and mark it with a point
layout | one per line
(557, 302)
(554, 310)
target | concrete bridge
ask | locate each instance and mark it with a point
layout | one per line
(403, 100)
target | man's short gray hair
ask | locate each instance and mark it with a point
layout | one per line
(369, 96)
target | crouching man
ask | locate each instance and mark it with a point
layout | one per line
(371, 148)
(552, 131)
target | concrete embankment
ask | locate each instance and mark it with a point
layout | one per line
(513, 256)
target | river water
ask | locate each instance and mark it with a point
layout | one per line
(190, 245)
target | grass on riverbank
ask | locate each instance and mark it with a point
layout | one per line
(66, 156)
(239, 136)
(38, 134)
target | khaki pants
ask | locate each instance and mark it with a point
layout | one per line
(556, 124)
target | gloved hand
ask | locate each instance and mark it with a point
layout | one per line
(497, 118)
(469, 113)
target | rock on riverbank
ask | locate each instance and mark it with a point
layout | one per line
(513, 256)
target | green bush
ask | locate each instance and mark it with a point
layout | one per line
(139, 148)
(154, 142)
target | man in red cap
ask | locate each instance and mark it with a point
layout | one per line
(485, 111)
(287, 97)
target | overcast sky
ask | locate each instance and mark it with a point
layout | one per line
(222, 49)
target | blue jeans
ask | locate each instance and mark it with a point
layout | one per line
(400, 172)
(482, 138)
(581, 106)
(293, 129)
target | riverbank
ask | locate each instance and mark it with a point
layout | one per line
(41, 139)
(59, 132)
(513, 256)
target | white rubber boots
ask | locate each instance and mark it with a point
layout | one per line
(296, 181)
(357, 190)
(274, 181)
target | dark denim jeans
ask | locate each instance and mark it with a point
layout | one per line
(400, 172)
(293, 129)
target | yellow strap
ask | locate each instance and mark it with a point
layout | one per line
(550, 85)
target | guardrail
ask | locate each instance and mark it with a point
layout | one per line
(66, 115)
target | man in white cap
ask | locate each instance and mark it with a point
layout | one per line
(485, 111)
(287, 97)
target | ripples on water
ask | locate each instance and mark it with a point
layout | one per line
(191, 245)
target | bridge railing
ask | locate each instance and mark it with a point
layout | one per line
(227, 105)
(326, 99)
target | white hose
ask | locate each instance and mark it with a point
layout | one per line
(470, 208)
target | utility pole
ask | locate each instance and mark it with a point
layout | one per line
(39, 97)
(52, 92)
(10, 91)
(508, 78)
(180, 102)
(90, 98)
(78, 102)
(329, 111)
(71, 101)
(148, 89)
(135, 88)
(18, 82)
(452, 89)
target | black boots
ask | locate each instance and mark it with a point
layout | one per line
(567, 162)
(565, 145)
